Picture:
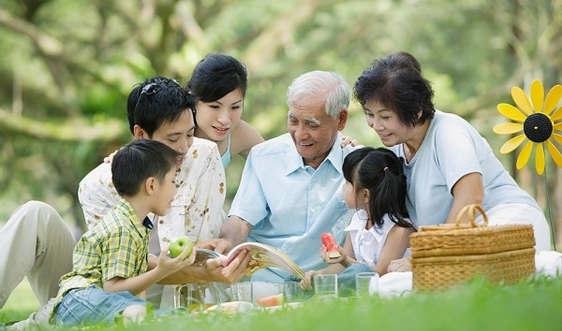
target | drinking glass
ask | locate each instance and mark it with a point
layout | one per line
(189, 296)
(326, 286)
(364, 281)
(293, 292)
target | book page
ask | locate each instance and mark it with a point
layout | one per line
(203, 255)
(264, 256)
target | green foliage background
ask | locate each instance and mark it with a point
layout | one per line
(67, 67)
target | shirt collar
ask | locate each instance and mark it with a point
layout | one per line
(375, 231)
(335, 157)
(379, 233)
(147, 223)
(123, 206)
(361, 216)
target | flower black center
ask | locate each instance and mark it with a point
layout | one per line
(538, 127)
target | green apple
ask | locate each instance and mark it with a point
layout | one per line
(179, 244)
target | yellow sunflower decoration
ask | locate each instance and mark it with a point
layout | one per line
(535, 122)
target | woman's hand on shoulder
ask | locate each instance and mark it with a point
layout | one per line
(109, 158)
(345, 141)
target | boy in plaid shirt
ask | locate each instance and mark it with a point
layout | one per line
(110, 262)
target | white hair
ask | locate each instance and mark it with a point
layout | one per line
(332, 86)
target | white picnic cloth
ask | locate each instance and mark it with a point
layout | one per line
(393, 284)
(549, 263)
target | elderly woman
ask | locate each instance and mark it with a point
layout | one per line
(447, 163)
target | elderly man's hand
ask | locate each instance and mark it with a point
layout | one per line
(218, 245)
(232, 273)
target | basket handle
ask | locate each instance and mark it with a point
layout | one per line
(471, 213)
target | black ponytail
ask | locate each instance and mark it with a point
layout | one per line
(380, 171)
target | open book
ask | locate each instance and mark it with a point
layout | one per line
(262, 256)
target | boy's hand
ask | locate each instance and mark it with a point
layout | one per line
(169, 265)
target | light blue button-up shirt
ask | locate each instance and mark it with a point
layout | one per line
(289, 204)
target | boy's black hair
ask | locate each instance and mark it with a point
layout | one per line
(215, 76)
(380, 171)
(397, 83)
(139, 160)
(156, 101)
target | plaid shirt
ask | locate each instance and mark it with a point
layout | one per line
(116, 247)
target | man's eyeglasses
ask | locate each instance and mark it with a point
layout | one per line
(153, 88)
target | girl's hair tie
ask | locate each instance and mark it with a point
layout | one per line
(385, 169)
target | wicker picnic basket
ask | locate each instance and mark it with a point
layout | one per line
(448, 254)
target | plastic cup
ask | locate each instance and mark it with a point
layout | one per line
(189, 296)
(242, 292)
(364, 281)
(293, 292)
(251, 291)
(326, 286)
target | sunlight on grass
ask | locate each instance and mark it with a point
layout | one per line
(529, 305)
(22, 298)
(20, 304)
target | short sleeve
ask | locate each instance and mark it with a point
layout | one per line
(456, 153)
(120, 256)
(249, 187)
(97, 194)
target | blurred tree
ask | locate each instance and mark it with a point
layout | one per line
(68, 66)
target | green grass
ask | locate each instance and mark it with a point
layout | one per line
(20, 304)
(533, 305)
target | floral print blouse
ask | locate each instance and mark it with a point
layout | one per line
(197, 208)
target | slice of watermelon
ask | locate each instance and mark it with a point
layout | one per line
(329, 242)
(271, 300)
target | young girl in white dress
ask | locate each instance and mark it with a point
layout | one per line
(379, 230)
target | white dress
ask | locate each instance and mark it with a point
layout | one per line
(367, 244)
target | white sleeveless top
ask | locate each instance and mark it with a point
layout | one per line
(367, 244)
